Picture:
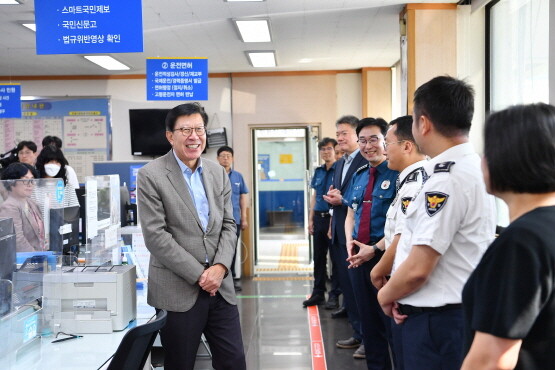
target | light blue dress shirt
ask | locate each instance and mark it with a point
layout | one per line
(196, 189)
(348, 161)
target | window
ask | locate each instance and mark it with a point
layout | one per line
(518, 52)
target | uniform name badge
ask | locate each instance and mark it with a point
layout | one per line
(385, 184)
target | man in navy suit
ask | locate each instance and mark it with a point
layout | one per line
(345, 167)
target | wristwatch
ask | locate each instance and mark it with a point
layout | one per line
(375, 248)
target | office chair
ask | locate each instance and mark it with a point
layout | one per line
(135, 346)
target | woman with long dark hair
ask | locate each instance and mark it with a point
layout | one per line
(19, 181)
(51, 163)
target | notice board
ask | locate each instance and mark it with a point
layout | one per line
(82, 123)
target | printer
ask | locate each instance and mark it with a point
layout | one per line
(90, 299)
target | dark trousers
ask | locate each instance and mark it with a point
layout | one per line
(322, 245)
(433, 340)
(338, 254)
(397, 340)
(218, 320)
(238, 231)
(372, 319)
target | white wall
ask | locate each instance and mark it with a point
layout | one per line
(349, 93)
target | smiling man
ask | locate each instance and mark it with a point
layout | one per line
(371, 192)
(344, 170)
(187, 220)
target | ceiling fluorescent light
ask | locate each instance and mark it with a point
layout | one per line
(11, 2)
(107, 62)
(31, 26)
(244, 1)
(254, 30)
(261, 59)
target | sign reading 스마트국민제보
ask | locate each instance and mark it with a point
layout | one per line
(88, 27)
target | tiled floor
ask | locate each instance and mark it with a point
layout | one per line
(276, 332)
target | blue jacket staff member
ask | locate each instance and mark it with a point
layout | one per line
(187, 219)
(239, 200)
(509, 300)
(319, 219)
(448, 227)
(371, 192)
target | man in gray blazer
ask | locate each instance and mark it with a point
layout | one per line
(187, 220)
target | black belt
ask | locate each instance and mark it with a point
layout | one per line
(322, 214)
(406, 309)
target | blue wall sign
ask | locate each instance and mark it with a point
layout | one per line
(177, 79)
(10, 101)
(88, 27)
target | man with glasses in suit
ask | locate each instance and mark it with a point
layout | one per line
(187, 219)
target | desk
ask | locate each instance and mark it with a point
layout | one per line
(88, 352)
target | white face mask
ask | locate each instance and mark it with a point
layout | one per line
(52, 169)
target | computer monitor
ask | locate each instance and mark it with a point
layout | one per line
(82, 214)
(64, 228)
(7, 249)
(124, 202)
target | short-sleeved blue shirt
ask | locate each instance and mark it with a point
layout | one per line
(321, 182)
(382, 196)
(238, 187)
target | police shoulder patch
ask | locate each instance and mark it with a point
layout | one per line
(412, 177)
(362, 168)
(443, 167)
(405, 201)
(435, 201)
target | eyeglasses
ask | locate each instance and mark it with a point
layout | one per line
(28, 152)
(326, 148)
(224, 156)
(374, 140)
(187, 131)
(386, 144)
(26, 181)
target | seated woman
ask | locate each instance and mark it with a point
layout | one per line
(51, 164)
(27, 218)
(509, 300)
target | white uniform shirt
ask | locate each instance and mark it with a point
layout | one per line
(454, 215)
(410, 180)
(72, 177)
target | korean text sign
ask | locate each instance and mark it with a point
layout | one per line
(177, 78)
(88, 27)
(10, 101)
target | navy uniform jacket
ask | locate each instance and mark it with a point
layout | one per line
(383, 194)
(321, 182)
(340, 211)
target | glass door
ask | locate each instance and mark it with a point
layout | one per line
(282, 162)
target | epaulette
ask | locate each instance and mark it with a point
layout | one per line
(443, 167)
(413, 176)
(362, 168)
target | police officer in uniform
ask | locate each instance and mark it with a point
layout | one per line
(448, 227)
(318, 226)
(369, 197)
(402, 155)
